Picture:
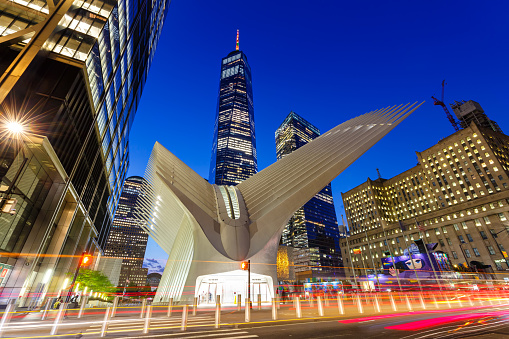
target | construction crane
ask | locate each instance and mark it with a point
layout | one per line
(441, 103)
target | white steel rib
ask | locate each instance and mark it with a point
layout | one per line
(193, 220)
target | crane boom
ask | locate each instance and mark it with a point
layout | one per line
(446, 110)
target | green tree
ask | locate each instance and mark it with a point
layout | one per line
(94, 280)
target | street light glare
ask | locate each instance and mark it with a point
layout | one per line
(15, 127)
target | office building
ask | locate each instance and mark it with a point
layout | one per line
(458, 193)
(72, 74)
(313, 229)
(127, 240)
(234, 146)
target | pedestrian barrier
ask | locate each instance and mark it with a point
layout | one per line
(408, 305)
(341, 308)
(106, 320)
(377, 304)
(6, 318)
(247, 307)
(274, 309)
(298, 311)
(183, 326)
(143, 307)
(393, 303)
(359, 304)
(46, 309)
(421, 299)
(170, 306)
(195, 305)
(148, 315)
(58, 319)
(218, 312)
(114, 309)
(320, 306)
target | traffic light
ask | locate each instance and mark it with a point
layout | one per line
(86, 259)
(244, 265)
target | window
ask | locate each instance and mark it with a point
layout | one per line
(467, 253)
(491, 250)
(470, 238)
(487, 220)
(448, 241)
(460, 237)
(494, 234)
(464, 224)
(477, 222)
(456, 227)
(483, 235)
(476, 252)
(444, 229)
(454, 255)
(441, 242)
(502, 217)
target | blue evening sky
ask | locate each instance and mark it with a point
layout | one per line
(328, 61)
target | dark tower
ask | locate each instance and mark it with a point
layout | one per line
(234, 146)
(313, 229)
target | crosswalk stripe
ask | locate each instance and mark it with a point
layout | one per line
(152, 322)
(140, 326)
(186, 335)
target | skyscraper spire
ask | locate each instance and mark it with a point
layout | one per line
(237, 46)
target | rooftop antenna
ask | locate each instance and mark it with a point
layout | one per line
(237, 46)
(378, 172)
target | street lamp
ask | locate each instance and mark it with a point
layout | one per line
(15, 127)
(463, 252)
(495, 236)
(7, 204)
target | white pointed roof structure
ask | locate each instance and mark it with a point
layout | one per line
(238, 221)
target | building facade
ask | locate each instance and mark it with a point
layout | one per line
(127, 240)
(234, 146)
(458, 193)
(72, 74)
(313, 230)
(471, 111)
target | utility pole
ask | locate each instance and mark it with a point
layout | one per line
(85, 260)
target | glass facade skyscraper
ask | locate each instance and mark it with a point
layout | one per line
(313, 229)
(127, 239)
(72, 72)
(234, 145)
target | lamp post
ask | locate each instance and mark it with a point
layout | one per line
(463, 252)
(495, 236)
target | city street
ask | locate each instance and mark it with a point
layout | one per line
(456, 316)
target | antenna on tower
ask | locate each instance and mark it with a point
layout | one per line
(378, 172)
(237, 46)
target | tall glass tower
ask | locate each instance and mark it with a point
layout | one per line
(313, 229)
(71, 73)
(234, 146)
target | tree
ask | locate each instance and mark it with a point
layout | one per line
(94, 280)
